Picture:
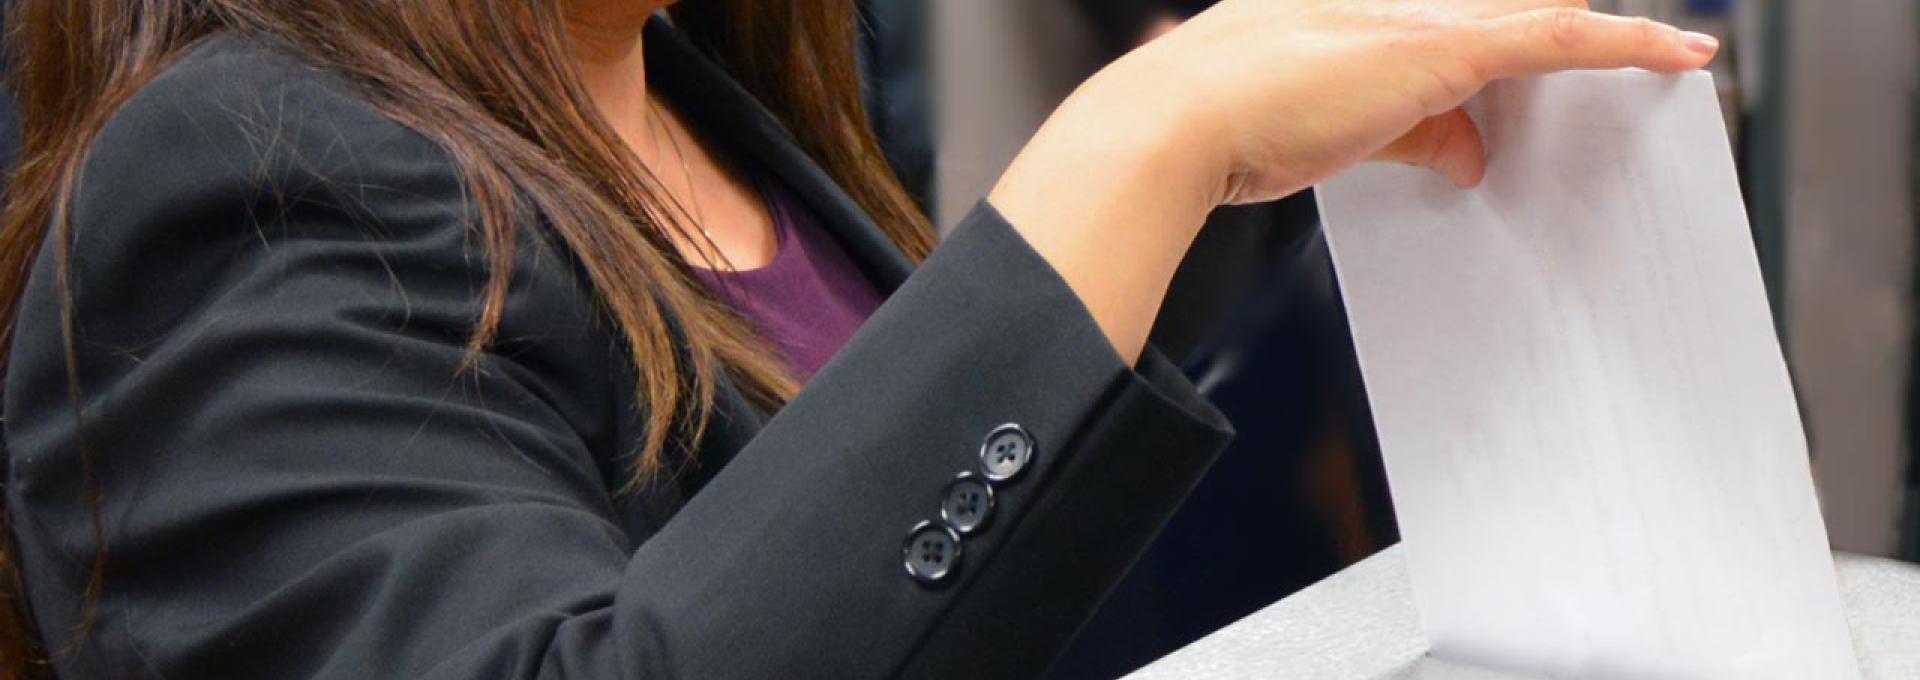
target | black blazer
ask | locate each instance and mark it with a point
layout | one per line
(273, 284)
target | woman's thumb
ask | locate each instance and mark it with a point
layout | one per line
(1448, 143)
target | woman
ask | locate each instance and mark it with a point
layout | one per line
(439, 339)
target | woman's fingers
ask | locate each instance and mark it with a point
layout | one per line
(1547, 40)
(1448, 143)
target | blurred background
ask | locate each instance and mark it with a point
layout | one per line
(1820, 102)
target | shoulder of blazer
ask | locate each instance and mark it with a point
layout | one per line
(242, 164)
(243, 118)
(242, 160)
(235, 152)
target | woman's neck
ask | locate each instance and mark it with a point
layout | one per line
(606, 37)
(735, 228)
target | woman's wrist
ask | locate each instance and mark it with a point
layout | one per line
(1142, 111)
(1115, 146)
(1112, 191)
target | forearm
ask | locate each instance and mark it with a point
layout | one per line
(1252, 101)
(1112, 201)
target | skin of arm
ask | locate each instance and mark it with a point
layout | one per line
(1249, 101)
(1253, 100)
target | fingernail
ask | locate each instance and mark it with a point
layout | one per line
(1700, 43)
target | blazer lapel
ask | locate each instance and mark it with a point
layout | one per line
(730, 117)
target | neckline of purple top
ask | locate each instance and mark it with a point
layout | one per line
(810, 298)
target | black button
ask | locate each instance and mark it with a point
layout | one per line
(968, 504)
(1006, 453)
(933, 550)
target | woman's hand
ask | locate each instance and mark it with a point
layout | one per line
(1256, 99)
(1288, 93)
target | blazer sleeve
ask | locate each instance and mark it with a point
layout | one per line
(272, 287)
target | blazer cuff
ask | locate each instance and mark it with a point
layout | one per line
(1016, 295)
(814, 517)
(1136, 442)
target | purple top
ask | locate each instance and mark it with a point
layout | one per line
(810, 299)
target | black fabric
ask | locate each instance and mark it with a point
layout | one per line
(1120, 24)
(9, 117)
(896, 63)
(9, 135)
(272, 286)
(1261, 523)
(1224, 272)
(1254, 316)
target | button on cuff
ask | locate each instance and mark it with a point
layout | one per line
(968, 503)
(932, 552)
(1007, 452)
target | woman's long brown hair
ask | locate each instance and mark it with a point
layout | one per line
(482, 78)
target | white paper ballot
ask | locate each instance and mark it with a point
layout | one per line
(1594, 451)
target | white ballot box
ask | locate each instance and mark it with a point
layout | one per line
(1361, 624)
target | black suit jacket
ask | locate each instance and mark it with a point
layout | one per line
(272, 287)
